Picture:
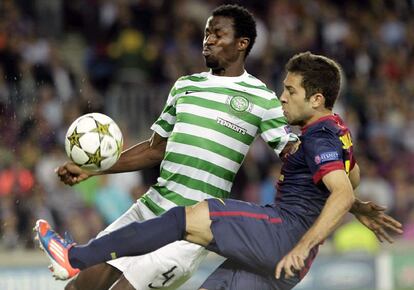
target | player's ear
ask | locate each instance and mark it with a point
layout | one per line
(317, 100)
(243, 43)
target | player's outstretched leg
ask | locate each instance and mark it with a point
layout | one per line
(132, 239)
(56, 248)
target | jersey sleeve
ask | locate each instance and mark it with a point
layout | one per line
(164, 125)
(323, 153)
(274, 128)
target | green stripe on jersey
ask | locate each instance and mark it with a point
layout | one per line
(165, 125)
(174, 196)
(208, 145)
(257, 100)
(274, 143)
(200, 164)
(212, 124)
(155, 208)
(169, 109)
(194, 184)
(273, 124)
(246, 116)
(193, 78)
(255, 87)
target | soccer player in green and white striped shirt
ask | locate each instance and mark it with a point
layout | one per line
(210, 122)
(201, 138)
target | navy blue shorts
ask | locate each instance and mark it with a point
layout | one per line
(233, 276)
(254, 238)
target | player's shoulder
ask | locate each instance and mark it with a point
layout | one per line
(335, 124)
(196, 77)
(325, 128)
(193, 80)
(258, 87)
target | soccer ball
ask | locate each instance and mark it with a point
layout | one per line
(94, 142)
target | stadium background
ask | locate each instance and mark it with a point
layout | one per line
(60, 59)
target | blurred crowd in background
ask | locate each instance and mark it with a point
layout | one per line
(60, 59)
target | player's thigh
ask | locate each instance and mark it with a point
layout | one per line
(251, 234)
(166, 268)
(98, 277)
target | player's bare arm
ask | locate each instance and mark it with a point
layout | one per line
(371, 215)
(142, 155)
(355, 176)
(337, 205)
(146, 154)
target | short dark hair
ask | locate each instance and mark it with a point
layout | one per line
(243, 21)
(320, 74)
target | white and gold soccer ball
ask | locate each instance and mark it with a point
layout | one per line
(94, 142)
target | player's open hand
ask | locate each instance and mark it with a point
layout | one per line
(373, 217)
(70, 173)
(293, 262)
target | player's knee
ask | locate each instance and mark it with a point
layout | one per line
(199, 210)
(198, 224)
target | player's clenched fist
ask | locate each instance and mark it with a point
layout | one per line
(70, 173)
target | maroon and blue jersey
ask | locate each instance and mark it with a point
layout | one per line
(254, 237)
(326, 145)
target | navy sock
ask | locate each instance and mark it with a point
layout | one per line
(134, 239)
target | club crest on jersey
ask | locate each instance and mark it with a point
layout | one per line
(239, 104)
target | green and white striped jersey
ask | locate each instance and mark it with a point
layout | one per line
(210, 122)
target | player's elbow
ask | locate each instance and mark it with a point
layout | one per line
(354, 176)
(157, 155)
(157, 147)
(349, 200)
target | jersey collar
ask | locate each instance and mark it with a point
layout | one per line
(234, 79)
(333, 117)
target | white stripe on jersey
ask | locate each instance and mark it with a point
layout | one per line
(159, 199)
(197, 174)
(273, 113)
(212, 135)
(274, 133)
(283, 141)
(220, 98)
(170, 119)
(160, 131)
(213, 114)
(203, 154)
(183, 190)
(144, 212)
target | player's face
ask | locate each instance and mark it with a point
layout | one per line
(296, 108)
(219, 44)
